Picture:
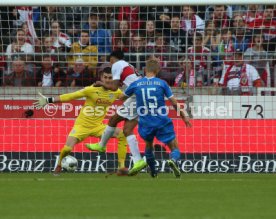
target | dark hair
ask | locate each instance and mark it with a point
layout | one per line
(197, 34)
(46, 56)
(93, 14)
(174, 15)
(85, 31)
(106, 70)
(225, 7)
(269, 7)
(117, 54)
(226, 30)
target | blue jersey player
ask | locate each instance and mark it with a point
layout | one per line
(153, 119)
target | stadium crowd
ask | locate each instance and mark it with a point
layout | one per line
(231, 46)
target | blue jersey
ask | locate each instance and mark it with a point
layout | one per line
(150, 99)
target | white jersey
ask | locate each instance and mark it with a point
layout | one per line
(26, 48)
(123, 71)
(233, 83)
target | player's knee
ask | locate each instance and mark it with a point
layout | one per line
(127, 131)
(112, 122)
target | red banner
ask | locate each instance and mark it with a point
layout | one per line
(206, 136)
(20, 109)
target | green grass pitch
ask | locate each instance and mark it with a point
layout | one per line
(95, 196)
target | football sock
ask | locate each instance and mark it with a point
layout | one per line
(175, 154)
(133, 146)
(108, 133)
(122, 150)
(150, 159)
(63, 153)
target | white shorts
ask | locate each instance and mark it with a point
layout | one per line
(128, 110)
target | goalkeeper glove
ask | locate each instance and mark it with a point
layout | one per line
(42, 101)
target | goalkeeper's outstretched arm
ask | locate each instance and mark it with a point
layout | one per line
(43, 100)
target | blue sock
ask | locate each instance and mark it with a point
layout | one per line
(150, 160)
(175, 154)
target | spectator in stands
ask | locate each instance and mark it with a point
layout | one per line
(121, 38)
(199, 60)
(98, 37)
(241, 41)
(2, 63)
(240, 77)
(185, 71)
(61, 41)
(252, 14)
(209, 11)
(50, 75)
(161, 15)
(190, 21)
(267, 23)
(150, 33)
(79, 76)
(19, 45)
(19, 77)
(242, 35)
(131, 15)
(161, 51)
(226, 48)
(220, 17)
(138, 45)
(107, 16)
(48, 45)
(73, 19)
(258, 57)
(176, 37)
(48, 16)
(210, 36)
(211, 40)
(83, 48)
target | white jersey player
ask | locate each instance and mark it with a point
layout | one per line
(122, 73)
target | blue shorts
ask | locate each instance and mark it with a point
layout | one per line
(164, 134)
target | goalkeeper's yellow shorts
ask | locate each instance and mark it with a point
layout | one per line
(80, 132)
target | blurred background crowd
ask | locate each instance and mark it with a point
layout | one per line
(220, 45)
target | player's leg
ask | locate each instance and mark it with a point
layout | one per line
(148, 135)
(122, 147)
(139, 163)
(66, 150)
(166, 135)
(99, 130)
(175, 156)
(150, 158)
(107, 134)
(77, 134)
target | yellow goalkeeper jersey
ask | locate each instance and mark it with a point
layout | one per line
(96, 104)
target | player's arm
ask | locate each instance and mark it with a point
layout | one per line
(43, 100)
(128, 92)
(112, 86)
(183, 113)
(176, 106)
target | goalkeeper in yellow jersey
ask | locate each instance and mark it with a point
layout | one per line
(89, 121)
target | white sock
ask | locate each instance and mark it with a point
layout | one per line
(108, 133)
(133, 146)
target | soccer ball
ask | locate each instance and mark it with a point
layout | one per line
(69, 163)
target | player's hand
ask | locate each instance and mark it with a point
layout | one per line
(98, 84)
(41, 101)
(188, 124)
